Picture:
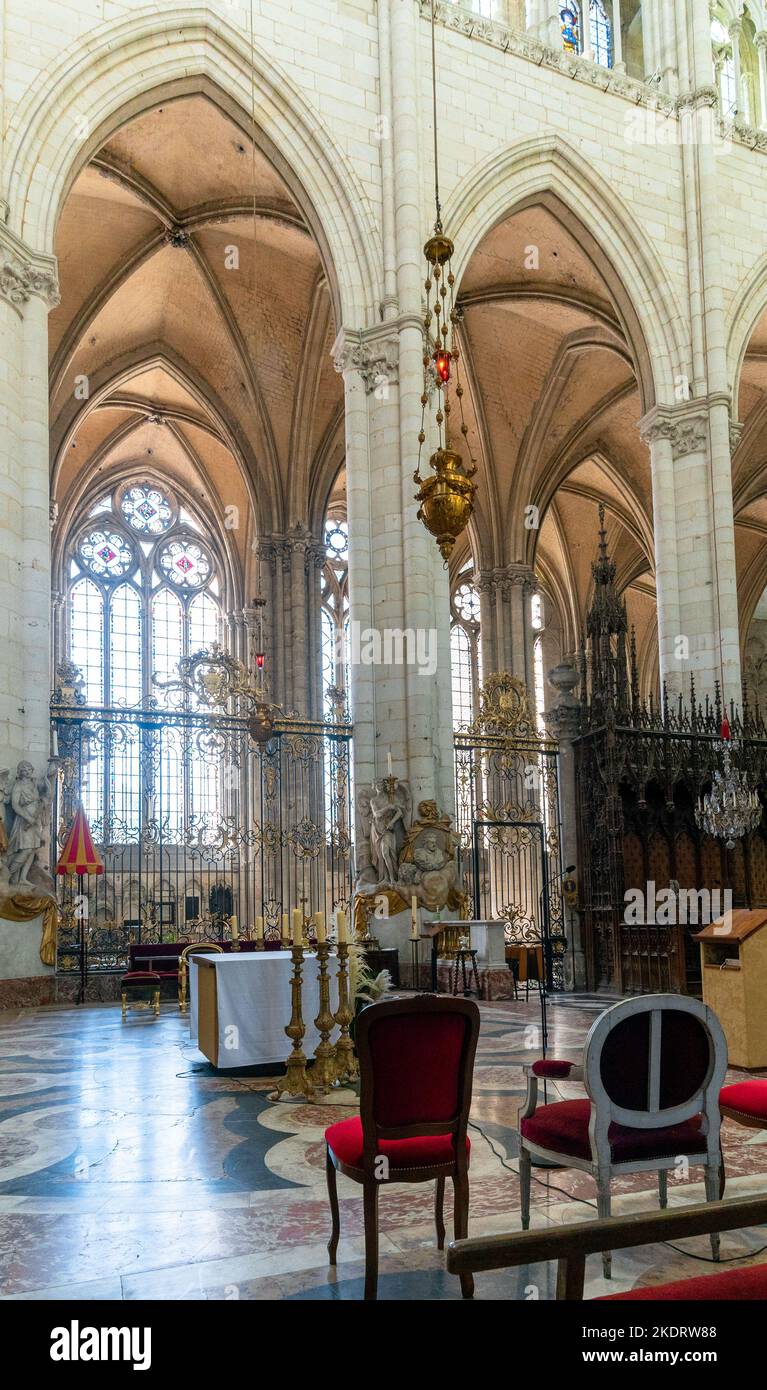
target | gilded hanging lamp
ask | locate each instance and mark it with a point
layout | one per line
(446, 496)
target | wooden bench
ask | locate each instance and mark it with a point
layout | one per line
(569, 1245)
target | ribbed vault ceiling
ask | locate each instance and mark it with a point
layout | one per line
(204, 331)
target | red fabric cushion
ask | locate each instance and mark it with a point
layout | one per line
(749, 1098)
(564, 1129)
(730, 1285)
(416, 1063)
(345, 1139)
(550, 1067)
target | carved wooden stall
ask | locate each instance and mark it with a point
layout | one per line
(640, 770)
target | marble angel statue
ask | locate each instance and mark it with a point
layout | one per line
(30, 800)
(385, 814)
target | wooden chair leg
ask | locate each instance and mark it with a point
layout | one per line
(330, 1174)
(603, 1211)
(461, 1224)
(525, 1164)
(370, 1208)
(439, 1208)
(712, 1182)
(722, 1174)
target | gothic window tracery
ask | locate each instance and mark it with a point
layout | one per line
(334, 611)
(724, 62)
(538, 626)
(599, 31)
(143, 592)
(465, 649)
(570, 20)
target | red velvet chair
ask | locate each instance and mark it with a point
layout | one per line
(745, 1102)
(652, 1067)
(416, 1059)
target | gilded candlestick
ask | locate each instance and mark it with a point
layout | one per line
(346, 1068)
(324, 1071)
(296, 1081)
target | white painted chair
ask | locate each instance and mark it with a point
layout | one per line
(652, 1067)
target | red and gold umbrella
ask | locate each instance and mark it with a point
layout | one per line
(79, 855)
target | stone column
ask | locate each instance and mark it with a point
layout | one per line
(276, 615)
(694, 547)
(546, 24)
(761, 49)
(618, 62)
(28, 289)
(298, 542)
(563, 724)
(314, 560)
(735, 29)
(505, 620)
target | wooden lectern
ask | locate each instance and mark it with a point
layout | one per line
(734, 970)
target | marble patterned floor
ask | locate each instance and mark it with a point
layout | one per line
(129, 1169)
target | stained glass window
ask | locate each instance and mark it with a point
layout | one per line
(185, 563)
(167, 639)
(536, 617)
(335, 604)
(142, 595)
(106, 554)
(466, 601)
(86, 637)
(600, 34)
(203, 622)
(569, 18)
(465, 649)
(460, 660)
(146, 509)
(125, 674)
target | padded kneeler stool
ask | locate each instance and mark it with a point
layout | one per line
(135, 986)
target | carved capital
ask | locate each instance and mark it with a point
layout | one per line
(700, 97)
(24, 273)
(685, 427)
(505, 578)
(373, 352)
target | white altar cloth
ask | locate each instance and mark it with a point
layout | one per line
(253, 1005)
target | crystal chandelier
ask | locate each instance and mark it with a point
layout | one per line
(447, 496)
(731, 809)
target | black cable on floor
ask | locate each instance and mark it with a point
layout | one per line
(551, 1186)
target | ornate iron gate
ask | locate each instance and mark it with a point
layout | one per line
(196, 823)
(507, 810)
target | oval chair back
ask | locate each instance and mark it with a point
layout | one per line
(653, 1062)
(416, 1059)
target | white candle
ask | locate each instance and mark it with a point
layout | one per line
(388, 761)
(259, 929)
(298, 925)
(285, 932)
(414, 918)
(341, 925)
(319, 926)
(234, 928)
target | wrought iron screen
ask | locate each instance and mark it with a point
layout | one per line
(507, 811)
(196, 822)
